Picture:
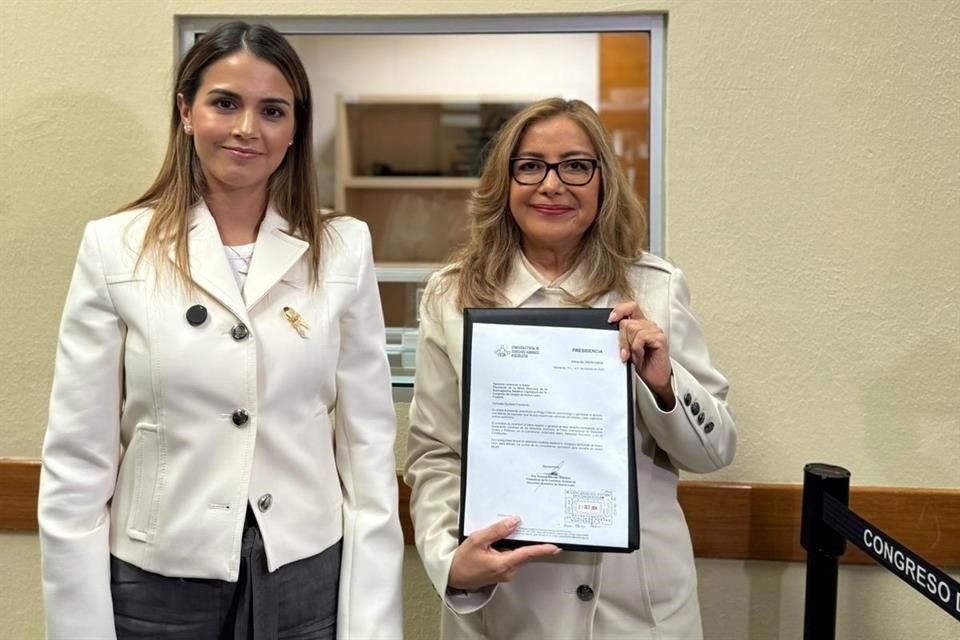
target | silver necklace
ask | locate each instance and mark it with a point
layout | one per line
(245, 261)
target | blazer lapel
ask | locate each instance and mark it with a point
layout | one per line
(276, 253)
(208, 262)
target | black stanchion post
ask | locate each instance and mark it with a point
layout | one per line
(824, 547)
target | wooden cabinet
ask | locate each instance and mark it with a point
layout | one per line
(625, 103)
(406, 166)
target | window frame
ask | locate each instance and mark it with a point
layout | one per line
(188, 28)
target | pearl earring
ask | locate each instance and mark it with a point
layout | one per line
(187, 129)
(290, 144)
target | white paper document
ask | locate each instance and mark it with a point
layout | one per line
(548, 436)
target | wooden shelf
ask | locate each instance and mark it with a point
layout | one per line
(405, 271)
(444, 99)
(406, 165)
(412, 182)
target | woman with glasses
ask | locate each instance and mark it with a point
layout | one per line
(554, 222)
(195, 484)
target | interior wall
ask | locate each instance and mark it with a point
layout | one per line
(812, 191)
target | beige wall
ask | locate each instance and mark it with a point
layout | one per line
(813, 198)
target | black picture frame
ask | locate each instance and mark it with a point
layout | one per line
(587, 318)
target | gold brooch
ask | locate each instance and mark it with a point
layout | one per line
(296, 321)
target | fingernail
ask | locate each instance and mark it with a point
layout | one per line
(612, 316)
(513, 521)
(624, 354)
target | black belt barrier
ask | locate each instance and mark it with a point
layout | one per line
(826, 526)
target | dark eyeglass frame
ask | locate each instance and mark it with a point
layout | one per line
(555, 167)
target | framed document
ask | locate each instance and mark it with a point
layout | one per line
(547, 429)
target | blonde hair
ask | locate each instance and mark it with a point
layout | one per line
(609, 246)
(179, 186)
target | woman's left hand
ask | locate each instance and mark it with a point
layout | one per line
(643, 341)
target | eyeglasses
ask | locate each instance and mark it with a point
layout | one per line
(574, 172)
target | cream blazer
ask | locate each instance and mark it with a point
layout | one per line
(651, 593)
(147, 454)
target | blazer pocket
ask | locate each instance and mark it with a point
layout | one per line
(321, 410)
(323, 421)
(145, 448)
(120, 278)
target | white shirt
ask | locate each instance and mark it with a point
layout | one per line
(239, 257)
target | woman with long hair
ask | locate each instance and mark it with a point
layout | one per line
(555, 223)
(195, 483)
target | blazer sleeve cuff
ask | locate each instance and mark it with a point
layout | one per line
(464, 602)
(697, 433)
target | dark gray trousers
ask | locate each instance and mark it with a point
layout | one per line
(296, 602)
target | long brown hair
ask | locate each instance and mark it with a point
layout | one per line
(180, 184)
(608, 248)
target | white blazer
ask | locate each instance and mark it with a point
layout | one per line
(161, 430)
(649, 594)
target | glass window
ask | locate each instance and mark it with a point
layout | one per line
(405, 106)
